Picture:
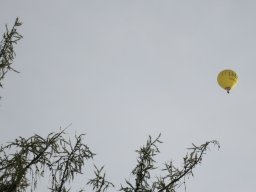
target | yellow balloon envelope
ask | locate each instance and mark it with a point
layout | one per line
(227, 79)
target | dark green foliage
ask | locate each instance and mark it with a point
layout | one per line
(23, 161)
(7, 52)
(99, 183)
(145, 164)
(34, 156)
(174, 177)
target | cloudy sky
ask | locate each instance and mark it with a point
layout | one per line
(120, 70)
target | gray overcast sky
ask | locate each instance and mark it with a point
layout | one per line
(121, 70)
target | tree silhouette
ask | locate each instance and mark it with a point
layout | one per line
(7, 53)
(25, 160)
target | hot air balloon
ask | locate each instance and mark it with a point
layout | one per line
(227, 79)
